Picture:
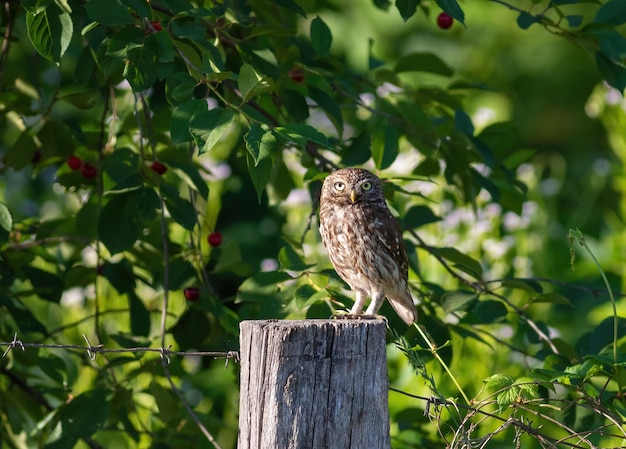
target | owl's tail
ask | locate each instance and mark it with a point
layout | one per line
(405, 308)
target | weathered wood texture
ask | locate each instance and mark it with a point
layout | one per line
(313, 384)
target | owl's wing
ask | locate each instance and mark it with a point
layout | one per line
(390, 235)
(398, 294)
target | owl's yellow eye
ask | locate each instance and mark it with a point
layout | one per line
(366, 186)
(340, 186)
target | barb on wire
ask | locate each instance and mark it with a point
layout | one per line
(92, 350)
(13, 344)
(165, 354)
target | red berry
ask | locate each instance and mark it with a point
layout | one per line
(74, 163)
(156, 25)
(192, 294)
(158, 167)
(297, 75)
(100, 269)
(444, 21)
(36, 157)
(89, 171)
(215, 239)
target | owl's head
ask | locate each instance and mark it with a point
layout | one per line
(352, 186)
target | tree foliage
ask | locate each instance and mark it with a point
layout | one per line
(161, 166)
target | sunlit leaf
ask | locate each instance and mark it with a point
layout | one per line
(251, 83)
(461, 261)
(524, 284)
(6, 220)
(209, 127)
(459, 300)
(552, 298)
(301, 133)
(50, 31)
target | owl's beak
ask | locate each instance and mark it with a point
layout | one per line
(353, 195)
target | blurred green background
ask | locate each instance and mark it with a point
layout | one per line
(570, 135)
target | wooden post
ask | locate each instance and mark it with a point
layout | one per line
(313, 384)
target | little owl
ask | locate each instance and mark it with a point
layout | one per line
(364, 242)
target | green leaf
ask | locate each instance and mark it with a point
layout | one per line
(259, 173)
(85, 414)
(47, 286)
(261, 286)
(419, 216)
(139, 315)
(461, 261)
(300, 133)
(525, 20)
(526, 387)
(552, 298)
(487, 312)
(6, 220)
(50, 31)
(407, 8)
(423, 62)
(80, 96)
(523, 284)
(359, 150)
(161, 45)
(181, 273)
(452, 8)
(180, 209)
(506, 398)
(498, 382)
(191, 330)
(120, 275)
(260, 143)
(613, 73)
(141, 7)
(458, 300)
(251, 83)
(292, 6)
(140, 68)
(118, 225)
(321, 37)
(612, 12)
(182, 117)
(109, 13)
(384, 144)
(194, 176)
(121, 165)
(24, 319)
(291, 258)
(167, 403)
(329, 106)
(574, 21)
(208, 127)
(463, 122)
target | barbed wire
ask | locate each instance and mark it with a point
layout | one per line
(93, 351)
